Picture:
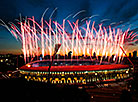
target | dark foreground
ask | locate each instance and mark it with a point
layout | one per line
(20, 90)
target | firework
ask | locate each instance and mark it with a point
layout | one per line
(40, 38)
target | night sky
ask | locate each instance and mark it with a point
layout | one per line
(117, 13)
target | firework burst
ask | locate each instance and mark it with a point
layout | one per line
(40, 38)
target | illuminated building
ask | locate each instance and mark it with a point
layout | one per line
(135, 54)
(74, 72)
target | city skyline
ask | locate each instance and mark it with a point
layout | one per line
(133, 54)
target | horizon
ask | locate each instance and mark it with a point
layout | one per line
(20, 53)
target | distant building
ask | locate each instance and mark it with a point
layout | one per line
(57, 56)
(94, 55)
(129, 55)
(69, 54)
(135, 54)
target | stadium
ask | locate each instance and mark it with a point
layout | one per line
(75, 71)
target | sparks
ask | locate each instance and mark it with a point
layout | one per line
(40, 38)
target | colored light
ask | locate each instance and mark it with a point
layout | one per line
(28, 65)
(9, 75)
(127, 71)
(1, 60)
